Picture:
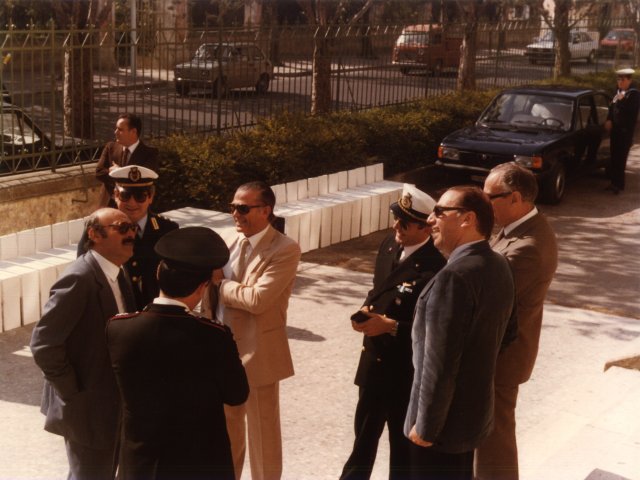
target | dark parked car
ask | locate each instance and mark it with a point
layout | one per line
(240, 65)
(549, 129)
(25, 147)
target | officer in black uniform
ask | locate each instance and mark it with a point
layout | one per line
(176, 370)
(621, 122)
(133, 194)
(406, 261)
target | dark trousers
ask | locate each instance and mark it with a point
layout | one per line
(430, 464)
(86, 463)
(374, 409)
(620, 145)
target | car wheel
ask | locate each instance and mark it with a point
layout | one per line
(554, 186)
(263, 84)
(222, 91)
(182, 88)
(591, 57)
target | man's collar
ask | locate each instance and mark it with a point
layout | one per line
(133, 146)
(110, 269)
(513, 225)
(254, 239)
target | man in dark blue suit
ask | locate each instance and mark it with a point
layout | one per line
(80, 398)
(461, 320)
(406, 261)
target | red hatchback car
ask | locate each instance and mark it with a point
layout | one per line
(620, 40)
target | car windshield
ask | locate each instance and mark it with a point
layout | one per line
(528, 110)
(548, 37)
(413, 38)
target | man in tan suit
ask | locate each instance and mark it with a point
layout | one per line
(253, 297)
(529, 244)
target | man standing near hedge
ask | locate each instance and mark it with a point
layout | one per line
(253, 290)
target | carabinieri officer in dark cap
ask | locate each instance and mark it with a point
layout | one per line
(176, 370)
(134, 191)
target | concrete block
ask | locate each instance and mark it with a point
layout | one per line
(313, 187)
(280, 192)
(8, 246)
(303, 189)
(370, 173)
(323, 184)
(43, 238)
(334, 183)
(357, 177)
(59, 234)
(292, 191)
(76, 228)
(26, 242)
(10, 287)
(343, 180)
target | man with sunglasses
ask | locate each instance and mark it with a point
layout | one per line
(80, 399)
(127, 149)
(461, 319)
(528, 243)
(406, 261)
(253, 291)
(133, 192)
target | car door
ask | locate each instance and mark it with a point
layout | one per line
(22, 146)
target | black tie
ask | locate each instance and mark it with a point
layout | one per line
(126, 291)
(396, 259)
(125, 157)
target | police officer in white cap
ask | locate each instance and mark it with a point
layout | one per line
(406, 261)
(133, 193)
(621, 122)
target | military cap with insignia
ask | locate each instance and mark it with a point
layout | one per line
(193, 248)
(133, 176)
(413, 206)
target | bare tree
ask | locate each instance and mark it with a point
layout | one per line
(561, 27)
(470, 11)
(81, 17)
(324, 14)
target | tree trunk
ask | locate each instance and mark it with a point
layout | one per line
(172, 17)
(78, 85)
(321, 82)
(562, 66)
(467, 70)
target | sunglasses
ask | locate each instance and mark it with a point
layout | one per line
(139, 196)
(124, 227)
(242, 209)
(438, 211)
(499, 195)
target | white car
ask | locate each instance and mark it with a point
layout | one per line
(581, 46)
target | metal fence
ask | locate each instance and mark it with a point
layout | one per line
(112, 74)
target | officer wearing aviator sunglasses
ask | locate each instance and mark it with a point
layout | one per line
(133, 193)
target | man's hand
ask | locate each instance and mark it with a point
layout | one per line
(376, 325)
(217, 276)
(415, 438)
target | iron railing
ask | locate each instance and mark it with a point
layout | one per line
(120, 76)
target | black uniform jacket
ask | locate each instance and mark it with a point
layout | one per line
(175, 371)
(142, 266)
(386, 360)
(624, 114)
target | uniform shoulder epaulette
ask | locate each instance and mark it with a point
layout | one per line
(122, 316)
(210, 323)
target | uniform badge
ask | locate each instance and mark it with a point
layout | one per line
(406, 202)
(134, 174)
(154, 223)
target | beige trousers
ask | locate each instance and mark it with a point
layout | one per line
(259, 417)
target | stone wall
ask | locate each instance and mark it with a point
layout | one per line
(43, 198)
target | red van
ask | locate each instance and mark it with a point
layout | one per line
(426, 47)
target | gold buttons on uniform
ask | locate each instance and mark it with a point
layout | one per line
(134, 263)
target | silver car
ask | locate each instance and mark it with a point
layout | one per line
(224, 67)
(581, 46)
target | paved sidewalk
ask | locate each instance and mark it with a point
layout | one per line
(575, 422)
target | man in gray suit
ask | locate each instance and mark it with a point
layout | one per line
(528, 243)
(80, 399)
(462, 317)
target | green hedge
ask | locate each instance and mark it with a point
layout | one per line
(204, 171)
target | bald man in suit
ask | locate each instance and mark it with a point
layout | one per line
(529, 244)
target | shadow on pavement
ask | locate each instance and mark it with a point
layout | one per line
(20, 378)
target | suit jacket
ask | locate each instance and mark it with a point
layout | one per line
(386, 360)
(532, 253)
(142, 265)
(175, 371)
(80, 398)
(256, 308)
(143, 155)
(460, 322)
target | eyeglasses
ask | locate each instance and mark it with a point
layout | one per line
(438, 211)
(242, 209)
(124, 227)
(139, 196)
(499, 195)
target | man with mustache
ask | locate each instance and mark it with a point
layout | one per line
(133, 192)
(80, 398)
